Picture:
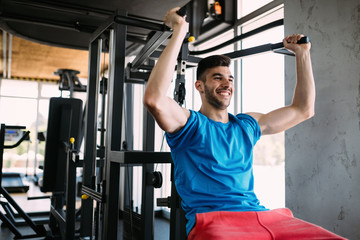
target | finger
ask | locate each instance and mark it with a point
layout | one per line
(287, 39)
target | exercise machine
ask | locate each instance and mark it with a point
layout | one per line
(61, 161)
(8, 218)
(12, 181)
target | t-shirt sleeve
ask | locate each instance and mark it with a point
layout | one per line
(251, 126)
(176, 140)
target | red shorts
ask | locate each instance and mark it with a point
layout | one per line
(266, 225)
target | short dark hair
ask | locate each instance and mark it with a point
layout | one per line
(210, 62)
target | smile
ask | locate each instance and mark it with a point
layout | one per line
(224, 92)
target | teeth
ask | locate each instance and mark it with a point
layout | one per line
(223, 93)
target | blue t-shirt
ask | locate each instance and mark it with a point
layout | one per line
(213, 164)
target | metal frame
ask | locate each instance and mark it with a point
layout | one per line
(115, 156)
(115, 29)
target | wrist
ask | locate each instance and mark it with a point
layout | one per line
(304, 53)
(180, 28)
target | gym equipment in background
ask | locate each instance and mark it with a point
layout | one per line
(13, 181)
(8, 218)
(61, 161)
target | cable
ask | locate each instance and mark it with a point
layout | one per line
(240, 37)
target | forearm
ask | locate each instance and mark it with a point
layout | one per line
(160, 77)
(304, 95)
(303, 103)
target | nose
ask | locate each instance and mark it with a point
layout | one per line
(227, 82)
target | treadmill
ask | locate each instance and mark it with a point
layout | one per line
(12, 181)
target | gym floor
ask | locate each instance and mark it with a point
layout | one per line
(161, 225)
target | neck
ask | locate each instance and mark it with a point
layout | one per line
(218, 115)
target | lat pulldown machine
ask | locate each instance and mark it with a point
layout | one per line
(118, 150)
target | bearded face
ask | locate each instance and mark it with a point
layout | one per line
(213, 98)
(218, 87)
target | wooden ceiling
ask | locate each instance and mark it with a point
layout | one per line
(34, 60)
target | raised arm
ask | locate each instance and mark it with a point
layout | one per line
(167, 113)
(303, 103)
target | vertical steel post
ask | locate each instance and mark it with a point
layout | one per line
(70, 196)
(90, 135)
(177, 216)
(129, 137)
(114, 129)
(147, 208)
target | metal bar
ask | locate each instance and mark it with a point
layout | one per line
(111, 215)
(72, 9)
(102, 28)
(254, 50)
(114, 129)
(39, 230)
(119, 18)
(57, 220)
(129, 136)
(136, 22)
(141, 76)
(18, 142)
(14, 127)
(90, 134)
(251, 16)
(117, 80)
(6, 221)
(10, 213)
(258, 30)
(147, 201)
(149, 48)
(139, 157)
(47, 23)
(134, 81)
(191, 62)
(177, 214)
(70, 198)
(92, 194)
(58, 216)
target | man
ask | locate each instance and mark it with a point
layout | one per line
(212, 149)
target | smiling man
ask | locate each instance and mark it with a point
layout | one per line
(212, 149)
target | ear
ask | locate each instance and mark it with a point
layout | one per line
(199, 85)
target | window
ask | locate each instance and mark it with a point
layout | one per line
(263, 91)
(26, 106)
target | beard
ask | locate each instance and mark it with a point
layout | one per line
(213, 100)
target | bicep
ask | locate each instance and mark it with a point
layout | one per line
(279, 120)
(169, 115)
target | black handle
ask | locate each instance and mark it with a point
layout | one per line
(24, 137)
(303, 40)
(181, 11)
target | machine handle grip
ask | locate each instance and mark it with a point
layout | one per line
(303, 40)
(182, 11)
(24, 137)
